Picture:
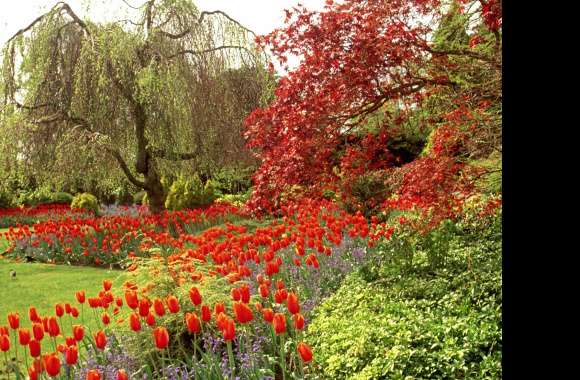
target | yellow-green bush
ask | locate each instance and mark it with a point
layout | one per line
(85, 201)
(189, 193)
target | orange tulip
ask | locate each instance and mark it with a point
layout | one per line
(158, 307)
(34, 348)
(38, 331)
(131, 299)
(193, 324)
(292, 303)
(78, 332)
(161, 337)
(23, 336)
(243, 312)
(194, 296)
(100, 339)
(107, 284)
(304, 351)
(229, 330)
(173, 304)
(135, 322)
(280, 295)
(105, 318)
(122, 375)
(298, 321)
(279, 323)
(52, 364)
(93, 374)
(245, 293)
(14, 320)
(268, 314)
(264, 290)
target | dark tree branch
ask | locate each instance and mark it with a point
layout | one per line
(131, 6)
(175, 36)
(125, 168)
(200, 52)
(206, 13)
(172, 156)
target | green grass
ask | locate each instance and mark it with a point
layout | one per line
(44, 285)
(3, 242)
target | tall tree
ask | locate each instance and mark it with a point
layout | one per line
(384, 62)
(162, 91)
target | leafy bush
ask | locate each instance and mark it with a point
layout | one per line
(233, 180)
(85, 201)
(139, 197)
(236, 199)
(421, 325)
(189, 193)
(5, 200)
(62, 198)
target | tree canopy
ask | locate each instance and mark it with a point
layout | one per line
(130, 99)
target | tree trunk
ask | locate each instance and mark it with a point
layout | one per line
(155, 192)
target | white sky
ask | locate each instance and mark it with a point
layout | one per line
(261, 16)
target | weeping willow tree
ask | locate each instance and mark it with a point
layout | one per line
(135, 98)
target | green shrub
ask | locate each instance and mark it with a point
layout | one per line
(189, 193)
(62, 198)
(86, 201)
(236, 199)
(233, 180)
(139, 197)
(5, 200)
(420, 325)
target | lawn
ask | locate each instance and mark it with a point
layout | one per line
(3, 242)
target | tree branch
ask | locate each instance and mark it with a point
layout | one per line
(125, 169)
(206, 13)
(175, 36)
(200, 52)
(161, 153)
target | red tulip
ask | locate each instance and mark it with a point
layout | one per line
(194, 296)
(105, 318)
(4, 343)
(280, 284)
(23, 336)
(161, 337)
(74, 312)
(52, 364)
(135, 322)
(107, 284)
(304, 351)
(33, 314)
(268, 314)
(279, 323)
(119, 301)
(205, 313)
(150, 320)
(53, 328)
(14, 320)
(280, 295)
(95, 302)
(158, 307)
(229, 330)
(78, 332)
(34, 348)
(38, 331)
(4, 330)
(264, 291)
(298, 321)
(100, 339)
(243, 312)
(193, 324)
(219, 308)
(131, 299)
(32, 374)
(173, 304)
(67, 308)
(72, 355)
(245, 293)
(235, 293)
(70, 341)
(122, 375)
(144, 306)
(80, 296)
(292, 303)
(93, 374)
(59, 310)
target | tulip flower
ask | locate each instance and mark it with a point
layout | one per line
(131, 299)
(105, 318)
(107, 284)
(243, 312)
(23, 336)
(135, 322)
(4, 343)
(158, 307)
(219, 308)
(78, 332)
(304, 351)
(33, 314)
(34, 348)
(144, 306)
(193, 324)
(100, 339)
(52, 364)
(279, 323)
(38, 331)
(205, 313)
(53, 327)
(268, 314)
(194, 296)
(59, 310)
(229, 330)
(264, 291)
(80, 295)
(72, 355)
(292, 303)
(173, 304)
(14, 320)
(93, 374)
(298, 321)
(161, 337)
(122, 375)
(235, 293)
(280, 295)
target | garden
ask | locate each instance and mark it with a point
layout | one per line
(177, 201)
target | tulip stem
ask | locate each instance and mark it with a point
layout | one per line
(231, 356)
(16, 352)
(282, 357)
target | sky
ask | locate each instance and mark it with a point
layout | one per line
(261, 16)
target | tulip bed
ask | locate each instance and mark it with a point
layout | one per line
(228, 302)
